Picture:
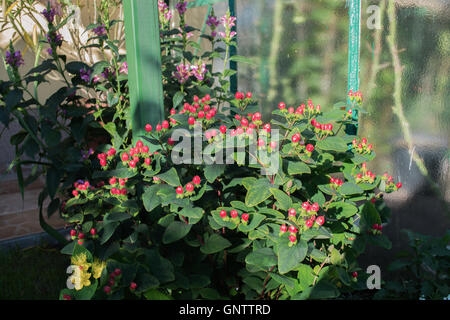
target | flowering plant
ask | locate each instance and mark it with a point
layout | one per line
(213, 202)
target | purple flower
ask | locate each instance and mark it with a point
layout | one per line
(183, 73)
(106, 73)
(100, 30)
(56, 7)
(50, 51)
(212, 21)
(199, 71)
(85, 75)
(181, 7)
(49, 15)
(15, 59)
(228, 21)
(55, 38)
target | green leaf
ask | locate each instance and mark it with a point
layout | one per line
(155, 294)
(287, 281)
(290, 257)
(349, 188)
(258, 192)
(215, 243)
(175, 231)
(145, 282)
(264, 257)
(319, 233)
(52, 181)
(178, 98)
(170, 177)
(191, 212)
(150, 199)
(213, 171)
(297, 167)
(255, 220)
(342, 209)
(369, 216)
(86, 293)
(332, 144)
(116, 216)
(284, 202)
(108, 231)
(12, 99)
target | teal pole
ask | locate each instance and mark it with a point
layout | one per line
(354, 9)
(144, 64)
(233, 50)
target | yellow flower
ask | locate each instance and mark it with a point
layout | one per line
(97, 268)
(81, 261)
(80, 278)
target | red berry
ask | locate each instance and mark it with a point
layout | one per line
(292, 229)
(158, 127)
(296, 138)
(139, 144)
(399, 185)
(191, 120)
(309, 223)
(133, 286)
(80, 242)
(315, 207)
(355, 274)
(249, 95)
(292, 212)
(107, 289)
(93, 231)
(292, 238)
(273, 144)
(172, 111)
(244, 122)
(283, 228)
(180, 190)
(282, 105)
(310, 148)
(73, 232)
(245, 216)
(123, 192)
(148, 127)
(81, 235)
(75, 193)
(132, 164)
(320, 220)
(223, 214)
(189, 187)
(103, 162)
(125, 157)
(148, 161)
(234, 213)
(117, 272)
(165, 124)
(111, 282)
(67, 297)
(238, 95)
(291, 110)
(196, 99)
(256, 116)
(145, 149)
(170, 141)
(261, 143)
(196, 180)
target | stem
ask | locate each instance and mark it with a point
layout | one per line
(398, 104)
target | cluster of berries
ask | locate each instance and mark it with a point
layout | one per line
(74, 234)
(188, 188)
(355, 96)
(323, 129)
(307, 218)
(366, 175)
(335, 182)
(390, 184)
(300, 111)
(113, 281)
(234, 216)
(376, 229)
(81, 187)
(362, 147)
(104, 157)
(132, 158)
(119, 183)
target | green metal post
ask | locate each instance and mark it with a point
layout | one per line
(144, 64)
(354, 7)
(233, 50)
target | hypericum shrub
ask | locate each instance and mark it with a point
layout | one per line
(231, 229)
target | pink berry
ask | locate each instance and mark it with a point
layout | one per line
(148, 127)
(320, 220)
(245, 217)
(283, 228)
(180, 190)
(282, 105)
(125, 157)
(309, 223)
(249, 95)
(315, 207)
(165, 124)
(310, 148)
(292, 229)
(234, 213)
(93, 231)
(223, 214)
(292, 238)
(158, 127)
(223, 129)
